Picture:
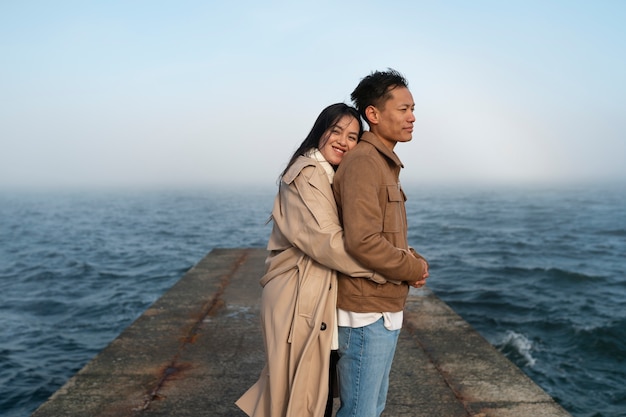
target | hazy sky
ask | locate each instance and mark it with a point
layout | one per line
(155, 93)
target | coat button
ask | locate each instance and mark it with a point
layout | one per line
(323, 326)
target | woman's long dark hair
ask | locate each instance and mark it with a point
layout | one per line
(328, 118)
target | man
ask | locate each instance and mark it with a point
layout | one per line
(371, 207)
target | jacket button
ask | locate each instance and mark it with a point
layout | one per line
(323, 326)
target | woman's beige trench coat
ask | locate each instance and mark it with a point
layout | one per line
(299, 296)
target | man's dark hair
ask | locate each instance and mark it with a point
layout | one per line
(375, 90)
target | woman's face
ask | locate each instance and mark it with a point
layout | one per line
(339, 139)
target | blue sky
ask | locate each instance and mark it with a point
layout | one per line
(197, 93)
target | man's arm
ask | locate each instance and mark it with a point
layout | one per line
(367, 228)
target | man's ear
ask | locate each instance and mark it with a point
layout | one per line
(371, 113)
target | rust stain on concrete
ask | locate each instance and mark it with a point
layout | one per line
(174, 369)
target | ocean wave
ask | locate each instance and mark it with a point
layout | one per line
(516, 346)
(613, 232)
(564, 276)
(608, 339)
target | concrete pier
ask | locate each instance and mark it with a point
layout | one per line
(199, 347)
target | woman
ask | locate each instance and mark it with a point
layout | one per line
(298, 304)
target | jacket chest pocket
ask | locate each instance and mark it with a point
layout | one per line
(393, 220)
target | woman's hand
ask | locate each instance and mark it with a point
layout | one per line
(418, 284)
(422, 282)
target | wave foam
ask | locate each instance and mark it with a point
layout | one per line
(516, 346)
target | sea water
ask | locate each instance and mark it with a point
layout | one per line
(539, 272)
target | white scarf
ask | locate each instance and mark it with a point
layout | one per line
(317, 155)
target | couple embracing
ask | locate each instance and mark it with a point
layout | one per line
(339, 268)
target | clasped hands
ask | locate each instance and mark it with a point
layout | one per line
(422, 282)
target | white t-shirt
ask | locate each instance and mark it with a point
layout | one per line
(392, 321)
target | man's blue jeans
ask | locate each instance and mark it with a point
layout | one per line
(365, 356)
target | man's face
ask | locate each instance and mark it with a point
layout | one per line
(394, 122)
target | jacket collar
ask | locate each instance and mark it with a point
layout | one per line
(296, 167)
(320, 180)
(373, 140)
